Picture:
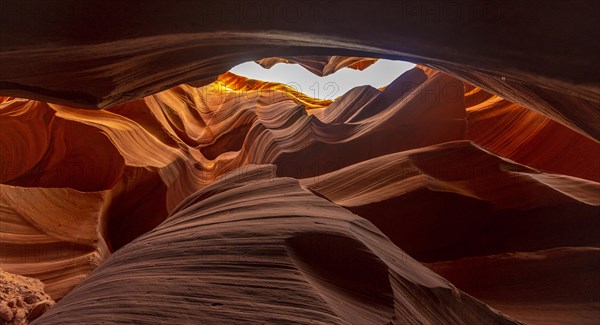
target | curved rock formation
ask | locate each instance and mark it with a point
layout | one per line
(559, 282)
(513, 131)
(128, 163)
(455, 176)
(320, 65)
(487, 171)
(495, 45)
(235, 251)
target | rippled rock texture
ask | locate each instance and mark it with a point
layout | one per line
(141, 182)
(255, 248)
(470, 184)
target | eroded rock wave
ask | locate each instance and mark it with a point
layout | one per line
(447, 171)
(261, 248)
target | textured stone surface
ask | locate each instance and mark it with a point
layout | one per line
(252, 247)
(93, 55)
(485, 173)
(22, 299)
(448, 179)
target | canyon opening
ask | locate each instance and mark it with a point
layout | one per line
(286, 162)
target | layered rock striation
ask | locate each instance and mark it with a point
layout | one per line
(243, 200)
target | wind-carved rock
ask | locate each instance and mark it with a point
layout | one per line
(358, 193)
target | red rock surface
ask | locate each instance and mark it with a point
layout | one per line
(22, 299)
(320, 65)
(142, 183)
(451, 188)
(253, 247)
(95, 56)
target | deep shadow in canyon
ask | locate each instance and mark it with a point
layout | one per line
(141, 182)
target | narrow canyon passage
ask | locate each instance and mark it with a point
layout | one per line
(144, 182)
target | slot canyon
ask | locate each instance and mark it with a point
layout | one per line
(142, 182)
